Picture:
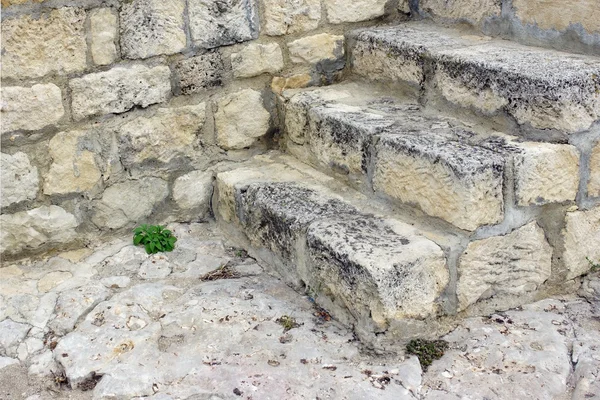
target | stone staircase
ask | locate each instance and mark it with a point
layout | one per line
(439, 180)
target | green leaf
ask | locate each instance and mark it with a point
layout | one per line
(137, 239)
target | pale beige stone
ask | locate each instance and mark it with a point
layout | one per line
(73, 168)
(53, 43)
(280, 83)
(484, 100)
(514, 264)
(34, 228)
(240, 119)
(192, 192)
(594, 181)
(256, 59)
(170, 133)
(103, 31)
(31, 108)
(52, 280)
(474, 11)
(404, 6)
(581, 239)
(546, 173)
(339, 11)
(152, 27)
(19, 179)
(556, 14)
(284, 17)
(119, 89)
(313, 49)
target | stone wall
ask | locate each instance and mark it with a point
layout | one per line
(116, 113)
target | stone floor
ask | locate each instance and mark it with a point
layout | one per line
(114, 323)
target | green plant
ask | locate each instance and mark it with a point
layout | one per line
(595, 266)
(287, 322)
(154, 238)
(427, 350)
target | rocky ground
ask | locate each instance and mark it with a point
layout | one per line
(114, 323)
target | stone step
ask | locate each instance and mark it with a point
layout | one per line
(368, 270)
(540, 89)
(465, 176)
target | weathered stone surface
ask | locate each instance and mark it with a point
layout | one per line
(404, 6)
(31, 229)
(284, 17)
(119, 89)
(53, 43)
(226, 22)
(53, 279)
(199, 73)
(103, 31)
(19, 179)
(256, 59)
(71, 305)
(509, 265)
(73, 167)
(280, 83)
(581, 238)
(129, 202)
(11, 335)
(193, 192)
(594, 180)
(552, 14)
(116, 282)
(152, 27)
(240, 119)
(31, 108)
(170, 134)
(339, 11)
(155, 267)
(451, 180)
(313, 49)
(474, 12)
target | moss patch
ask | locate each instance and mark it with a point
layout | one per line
(427, 350)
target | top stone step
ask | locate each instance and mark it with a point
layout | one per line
(539, 88)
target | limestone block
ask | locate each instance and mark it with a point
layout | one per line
(199, 73)
(581, 238)
(215, 24)
(256, 59)
(73, 168)
(53, 43)
(193, 192)
(11, 335)
(339, 11)
(19, 179)
(404, 6)
(103, 31)
(129, 202)
(119, 89)
(280, 83)
(474, 12)
(240, 119)
(152, 27)
(513, 264)
(594, 182)
(285, 17)
(34, 228)
(552, 14)
(73, 304)
(31, 108)
(313, 49)
(171, 133)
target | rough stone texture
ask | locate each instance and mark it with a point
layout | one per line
(222, 23)
(11, 334)
(285, 17)
(474, 12)
(256, 59)
(71, 305)
(152, 27)
(280, 83)
(199, 73)
(339, 11)
(313, 49)
(193, 192)
(54, 43)
(129, 202)
(31, 108)
(119, 89)
(240, 119)
(19, 179)
(34, 228)
(169, 134)
(73, 168)
(404, 6)
(581, 238)
(594, 181)
(552, 14)
(103, 31)
(509, 265)
(451, 180)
